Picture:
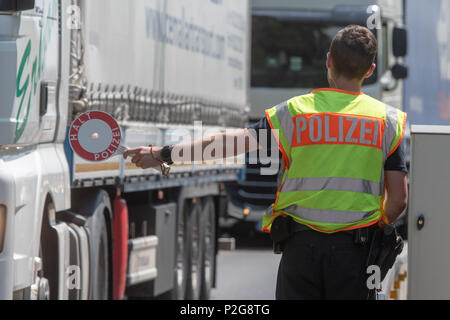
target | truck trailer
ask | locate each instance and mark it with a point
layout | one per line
(167, 71)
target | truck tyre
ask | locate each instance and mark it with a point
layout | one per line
(95, 206)
(208, 236)
(195, 244)
(48, 253)
(99, 255)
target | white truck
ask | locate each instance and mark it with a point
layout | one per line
(290, 41)
(71, 229)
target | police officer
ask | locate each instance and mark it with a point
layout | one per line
(343, 173)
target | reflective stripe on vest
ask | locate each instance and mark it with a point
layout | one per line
(332, 183)
(335, 144)
(282, 119)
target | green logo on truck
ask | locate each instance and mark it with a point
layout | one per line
(30, 82)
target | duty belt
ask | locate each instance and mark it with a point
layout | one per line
(284, 228)
(360, 236)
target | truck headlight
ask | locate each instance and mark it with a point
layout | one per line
(2, 225)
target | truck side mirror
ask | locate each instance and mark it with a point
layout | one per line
(399, 72)
(16, 5)
(400, 42)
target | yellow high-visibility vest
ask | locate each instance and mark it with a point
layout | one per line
(334, 145)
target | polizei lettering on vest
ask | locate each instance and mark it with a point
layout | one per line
(335, 128)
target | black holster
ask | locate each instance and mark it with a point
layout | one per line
(385, 246)
(280, 232)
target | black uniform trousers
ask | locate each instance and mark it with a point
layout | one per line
(319, 266)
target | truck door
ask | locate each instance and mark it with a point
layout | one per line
(29, 61)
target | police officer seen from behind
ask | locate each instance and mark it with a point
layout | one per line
(343, 174)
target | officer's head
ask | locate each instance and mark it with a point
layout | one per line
(352, 54)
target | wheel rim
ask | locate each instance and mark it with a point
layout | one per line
(43, 288)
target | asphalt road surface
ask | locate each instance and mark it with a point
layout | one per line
(247, 273)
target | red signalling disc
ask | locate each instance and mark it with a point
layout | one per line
(95, 136)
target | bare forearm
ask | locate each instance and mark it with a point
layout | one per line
(393, 209)
(216, 147)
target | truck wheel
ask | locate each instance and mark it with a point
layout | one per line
(48, 253)
(195, 244)
(99, 255)
(208, 219)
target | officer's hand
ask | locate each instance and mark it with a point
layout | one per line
(143, 156)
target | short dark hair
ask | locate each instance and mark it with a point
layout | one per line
(353, 50)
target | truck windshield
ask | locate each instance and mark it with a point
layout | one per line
(291, 53)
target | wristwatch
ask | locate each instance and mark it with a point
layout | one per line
(166, 154)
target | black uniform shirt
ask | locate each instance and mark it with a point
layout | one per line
(395, 162)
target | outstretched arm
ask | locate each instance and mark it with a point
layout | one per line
(226, 145)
